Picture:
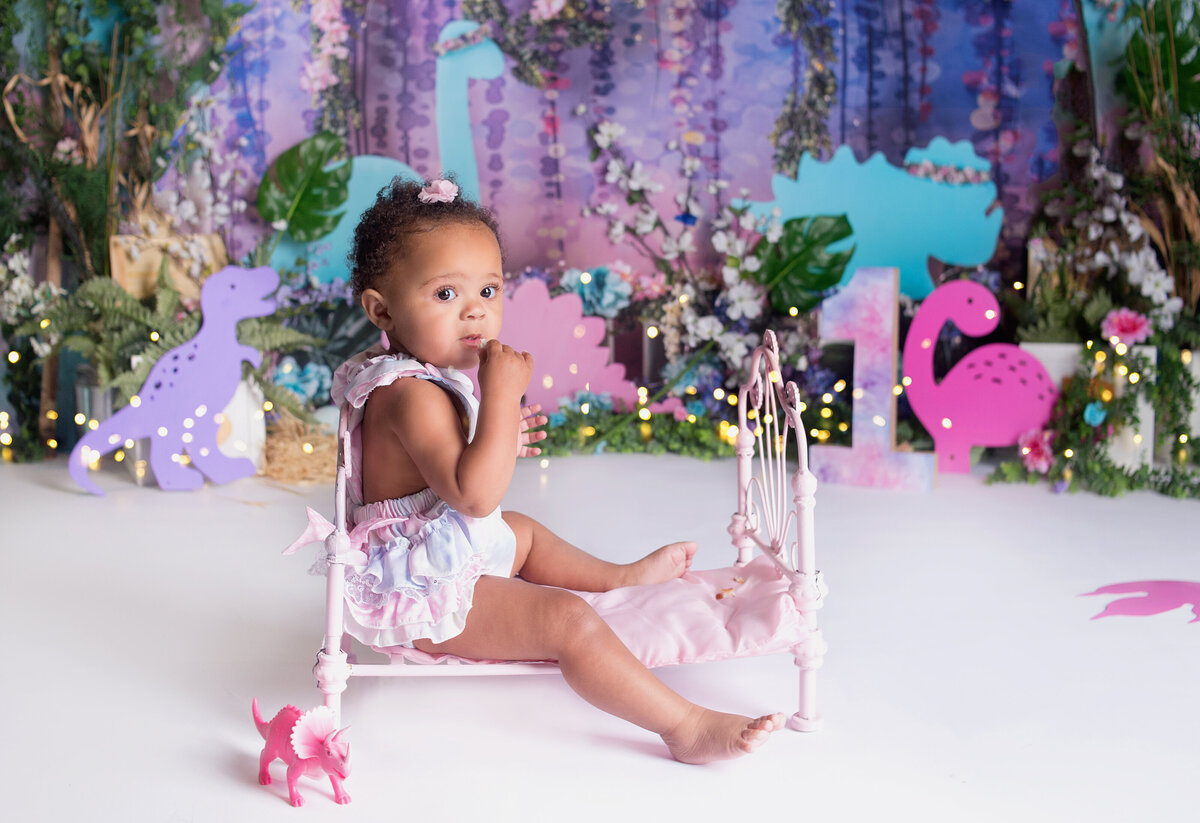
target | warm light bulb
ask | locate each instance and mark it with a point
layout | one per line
(644, 413)
(585, 278)
(897, 390)
(1018, 285)
(839, 386)
(719, 394)
(80, 419)
(652, 332)
(307, 448)
(1069, 453)
(14, 356)
(878, 420)
(946, 422)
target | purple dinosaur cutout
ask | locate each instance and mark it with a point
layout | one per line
(1159, 596)
(179, 404)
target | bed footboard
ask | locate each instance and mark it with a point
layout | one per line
(773, 505)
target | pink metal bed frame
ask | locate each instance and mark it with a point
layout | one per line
(770, 506)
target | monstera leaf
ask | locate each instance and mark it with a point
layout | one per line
(300, 191)
(799, 269)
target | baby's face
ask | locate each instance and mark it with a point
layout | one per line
(444, 300)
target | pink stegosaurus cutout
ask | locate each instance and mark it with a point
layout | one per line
(1158, 597)
(569, 354)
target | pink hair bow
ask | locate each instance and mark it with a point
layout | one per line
(438, 191)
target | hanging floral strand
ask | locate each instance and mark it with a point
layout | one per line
(802, 125)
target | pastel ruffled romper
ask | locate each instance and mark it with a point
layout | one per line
(416, 558)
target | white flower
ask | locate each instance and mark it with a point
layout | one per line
(735, 348)
(747, 221)
(691, 165)
(731, 275)
(40, 348)
(645, 221)
(1094, 230)
(279, 225)
(1140, 265)
(706, 328)
(616, 231)
(743, 299)
(720, 242)
(774, 232)
(606, 209)
(1158, 286)
(606, 133)
(639, 179)
(1133, 226)
(613, 172)
(751, 263)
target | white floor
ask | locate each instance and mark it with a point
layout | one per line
(965, 680)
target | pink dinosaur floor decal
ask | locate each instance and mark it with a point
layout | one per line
(1158, 596)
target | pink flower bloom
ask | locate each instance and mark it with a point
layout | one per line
(1036, 451)
(545, 9)
(1126, 325)
(336, 32)
(438, 191)
(324, 12)
(317, 76)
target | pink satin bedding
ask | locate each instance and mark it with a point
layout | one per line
(708, 615)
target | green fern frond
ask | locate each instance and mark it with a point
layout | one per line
(266, 334)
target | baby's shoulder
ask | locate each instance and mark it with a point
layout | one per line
(410, 393)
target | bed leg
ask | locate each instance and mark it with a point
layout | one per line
(810, 655)
(333, 668)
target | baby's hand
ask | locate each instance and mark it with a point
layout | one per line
(504, 368)
(530, 419)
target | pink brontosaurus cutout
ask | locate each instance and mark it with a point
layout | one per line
(990, 397)
(308, 743)
(568, 348)
(1159, 596)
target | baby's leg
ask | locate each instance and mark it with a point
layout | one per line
(544, 557)
(515, 620)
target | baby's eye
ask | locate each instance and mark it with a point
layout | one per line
(490, 291)
(446, 293)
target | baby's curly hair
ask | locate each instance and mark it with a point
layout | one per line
(384, 231)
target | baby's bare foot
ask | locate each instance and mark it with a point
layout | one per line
(671, 561)
(705, 735)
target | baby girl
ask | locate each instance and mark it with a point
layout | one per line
(448, 572)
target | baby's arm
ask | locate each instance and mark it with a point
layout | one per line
(471, 477)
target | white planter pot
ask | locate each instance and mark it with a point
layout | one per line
(1129, 447)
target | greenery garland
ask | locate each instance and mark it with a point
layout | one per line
(536, 45)
(1090, 410)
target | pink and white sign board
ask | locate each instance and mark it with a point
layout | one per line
(865, 312)
(568, 348)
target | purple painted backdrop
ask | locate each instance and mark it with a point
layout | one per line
(908, 70)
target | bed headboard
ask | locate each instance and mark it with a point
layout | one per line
(773, 504)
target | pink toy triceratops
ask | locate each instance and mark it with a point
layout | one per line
(308, 743)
